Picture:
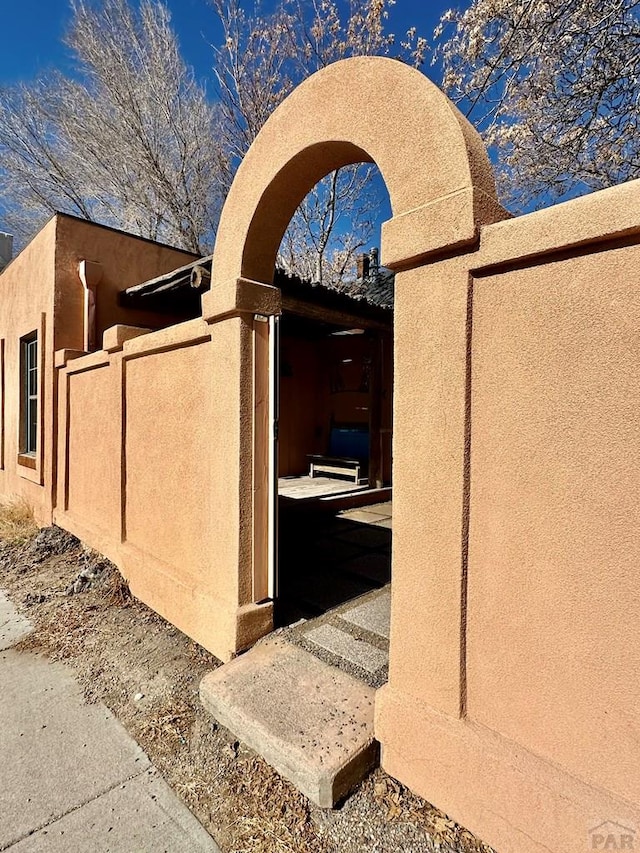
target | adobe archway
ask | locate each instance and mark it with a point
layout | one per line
(441, 188)
(442, 191)
(366, 109)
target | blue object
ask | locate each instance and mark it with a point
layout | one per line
(350, 442)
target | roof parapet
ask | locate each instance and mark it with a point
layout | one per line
(6, 249)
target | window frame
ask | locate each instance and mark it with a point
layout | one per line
(30, 410)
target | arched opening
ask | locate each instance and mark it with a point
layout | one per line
(434, 165)
(441, 190)
(334, 437)
(440, 187)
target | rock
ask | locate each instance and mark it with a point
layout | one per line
(49, 542)
(231, 749)
(93, 570)
(32, 598)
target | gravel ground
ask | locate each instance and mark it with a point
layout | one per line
(147, 672)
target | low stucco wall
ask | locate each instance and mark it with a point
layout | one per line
(145, 447)
(555, 492)
(512, 698)
(150, 473)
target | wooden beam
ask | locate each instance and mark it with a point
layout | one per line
(331, 315)
(168, 280)
(201, 278)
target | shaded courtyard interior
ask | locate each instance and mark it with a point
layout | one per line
(334, 524)
(335, 573)
(335, 394)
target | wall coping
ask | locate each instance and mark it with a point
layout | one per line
(601, 216)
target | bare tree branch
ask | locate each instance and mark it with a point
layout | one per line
(130, 141)
(553, 86)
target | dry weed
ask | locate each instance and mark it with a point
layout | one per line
(274, 817)
(17, 523)
(115, 589)
(403, 806)
(171, 725)
(61, 635)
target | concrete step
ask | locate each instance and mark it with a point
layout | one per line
(308, 720)
(353, 637)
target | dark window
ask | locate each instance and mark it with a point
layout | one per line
(29, 393)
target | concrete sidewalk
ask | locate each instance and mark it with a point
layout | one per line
(72, 778)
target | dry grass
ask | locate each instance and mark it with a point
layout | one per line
(148, 674)
(273, 817)
(171, 725)
(115, 589)
(17, 523)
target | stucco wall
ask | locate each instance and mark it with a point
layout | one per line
(125, 260)
(303, 416)
(149, 472)
(168, 425)
(41, 291)
(555, 492)
(93, 437)
(512, 698)
(27, 305)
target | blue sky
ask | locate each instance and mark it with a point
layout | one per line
(31, 32)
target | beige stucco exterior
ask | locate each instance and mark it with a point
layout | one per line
(26, 310)
(41, 291)
(511, 700)
(143, 499)
(512, 697)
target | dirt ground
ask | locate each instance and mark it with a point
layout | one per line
(147, 673)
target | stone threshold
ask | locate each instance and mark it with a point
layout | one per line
(309, 720)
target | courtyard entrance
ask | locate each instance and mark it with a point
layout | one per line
(337, 598)
(334, 467)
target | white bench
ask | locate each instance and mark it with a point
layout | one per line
(334, 465)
